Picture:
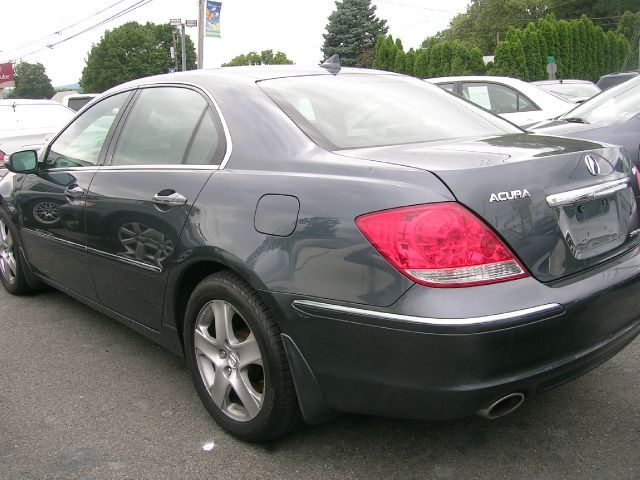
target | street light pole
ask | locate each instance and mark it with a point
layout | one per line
(176, 22)
(184, 55)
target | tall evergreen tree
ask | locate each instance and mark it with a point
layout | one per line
(629, 26)
(409, 61)
(352, 31)
(421, 66)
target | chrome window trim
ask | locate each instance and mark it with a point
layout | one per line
(223, 121)
(587, 193)
(157, 167)
(524, 314)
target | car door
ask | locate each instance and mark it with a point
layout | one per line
(51, 201)
(165, 150)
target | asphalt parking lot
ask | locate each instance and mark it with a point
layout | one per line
(81, 396)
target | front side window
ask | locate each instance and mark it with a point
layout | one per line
(361, 110)
(81, 143)
(168, 126)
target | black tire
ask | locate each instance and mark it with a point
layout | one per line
(13, 281)
(278, 413)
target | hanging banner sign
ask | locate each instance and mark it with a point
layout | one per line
(6, 75)
(212, 14)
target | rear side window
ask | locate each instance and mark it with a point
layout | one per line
(497, 98)
(169, 126)
(361, 110)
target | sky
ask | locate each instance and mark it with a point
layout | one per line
(294, 27)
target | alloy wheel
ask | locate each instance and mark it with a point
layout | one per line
(229, 360)
(8, 265)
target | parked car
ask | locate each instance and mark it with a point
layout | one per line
(576, 91)
(612, 117)
(517, 101)
(28, 122)
(613, 79)
(323, 240)
(77, 101)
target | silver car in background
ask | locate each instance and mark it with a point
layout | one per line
(28, 123)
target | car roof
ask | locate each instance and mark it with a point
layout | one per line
(248, 74)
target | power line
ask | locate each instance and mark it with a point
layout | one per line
(416, 6)
(129, 9)
(58, 32)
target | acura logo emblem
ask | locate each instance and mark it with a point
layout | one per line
(592, 165)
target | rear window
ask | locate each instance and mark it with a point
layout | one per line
(355, 110)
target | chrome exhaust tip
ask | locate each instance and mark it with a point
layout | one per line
(503, 406)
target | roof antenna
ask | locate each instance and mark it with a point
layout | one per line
(332, 64)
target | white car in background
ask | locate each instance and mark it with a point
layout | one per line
(28, 123)
(519, 102)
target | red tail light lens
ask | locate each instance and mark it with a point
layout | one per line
(636, 172)
(2, 154)
(440, 245)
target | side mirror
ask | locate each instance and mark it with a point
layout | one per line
(22, 162)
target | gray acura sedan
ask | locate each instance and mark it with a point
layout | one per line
(325, 240)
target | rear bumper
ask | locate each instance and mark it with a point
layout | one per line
(397, 363)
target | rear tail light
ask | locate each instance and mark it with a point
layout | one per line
(2, 155)
(636, 172)
(440, 245)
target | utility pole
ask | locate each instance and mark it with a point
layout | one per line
(184, 54)
(174, 56)
(201, 7)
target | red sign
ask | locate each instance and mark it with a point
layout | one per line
(6, 75)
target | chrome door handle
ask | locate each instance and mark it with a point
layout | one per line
(174, 199)
(73, 191)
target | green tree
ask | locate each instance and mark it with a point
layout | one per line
(602, 11)
(266, 57)
(31, 81)
(459, 59)
(421, 66)
(484, 20)
(399, 63)
(476, 63)
(629, 26)
(409, 61)
(564, 54)
(352, 31)
(532, 55)
(131, 51)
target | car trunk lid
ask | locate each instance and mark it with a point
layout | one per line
(562, 205)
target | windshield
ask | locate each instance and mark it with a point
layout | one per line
(615, 105)
(357, 110)
(45, 116)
